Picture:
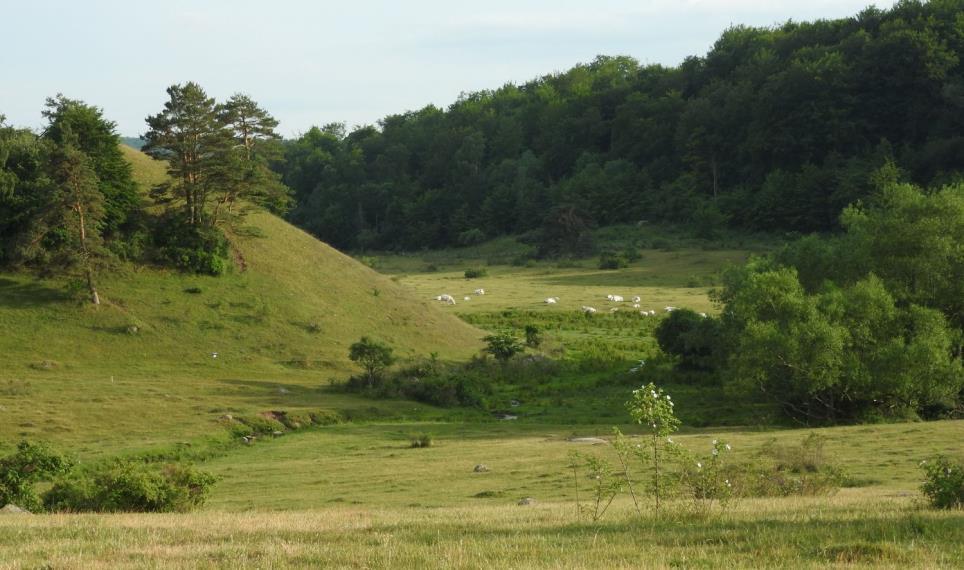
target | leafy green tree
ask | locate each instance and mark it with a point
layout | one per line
(694, 339)
(72, 122)
(373, 356)
(502, 346)
(20, 471)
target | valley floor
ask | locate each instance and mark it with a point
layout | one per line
(856, 529)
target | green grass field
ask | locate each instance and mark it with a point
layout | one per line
(356, 494)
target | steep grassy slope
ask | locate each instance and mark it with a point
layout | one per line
(142, 367)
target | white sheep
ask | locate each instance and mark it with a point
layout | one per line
(466, 298)
(552, 300)
(588, 310)
(617, 299)
(636, 299)
(636, 305)
(703, 315)
(669, 309)
(480, 291)
(614, 309)
(447, 299)
(652, 313)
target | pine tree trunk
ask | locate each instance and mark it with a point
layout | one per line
(85, 253)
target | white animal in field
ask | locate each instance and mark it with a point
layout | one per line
(636, 299)
(480, 291)
(588, 310)
(610, 297)
(447, 299)
(669, 309)
(617, 299)
(552, 300)
(644, 313)
(703, 315)
(438, 297)
(652, 313)
(614, 309)
(466, 298)
(636, 305)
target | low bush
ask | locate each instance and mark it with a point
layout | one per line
(784, 470)
(944, 482)
(128, 486)
(30, 464)
(610, 260)
(421, 441)
(190, 247)
(476, 272)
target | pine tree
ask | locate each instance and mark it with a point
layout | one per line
(246, 174)
(188, 134)
(78, 211)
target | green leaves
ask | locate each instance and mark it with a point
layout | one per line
(652, 408)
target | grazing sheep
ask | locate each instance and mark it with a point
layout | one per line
(551, 300)
(635, 305)
(652, 313)
(617, 299)
(636, 299)
(614, 309)
(588, 310)
(703, 315)
(480, 291)
(466, 298)
(447, 299)
(669, 309)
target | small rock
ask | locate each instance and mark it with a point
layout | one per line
(276, 432)
(12, 509)
(227, 417)
(527, 501)
(133, 329)
(481, 468)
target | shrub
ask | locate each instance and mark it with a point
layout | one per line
(533, 336)
(784, 470)
(475, 273)
(944, 482)
(190, 247)
(472, 236)
(691, 338)
(20, 471)
(610, 260)
(132, 487)
(502, 346)
(421, 440)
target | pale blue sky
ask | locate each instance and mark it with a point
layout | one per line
(311, 63)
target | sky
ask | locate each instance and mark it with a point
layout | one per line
(316, 62)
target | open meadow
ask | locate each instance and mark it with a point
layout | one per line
(176, 367)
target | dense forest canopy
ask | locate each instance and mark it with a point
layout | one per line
(774, 129)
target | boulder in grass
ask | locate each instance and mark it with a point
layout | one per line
(527, 501)
(481, 468)
(12, 509)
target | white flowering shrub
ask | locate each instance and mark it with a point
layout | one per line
(944, 482)
(653, 409)
(705, 479)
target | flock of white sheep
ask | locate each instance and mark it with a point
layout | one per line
(450, 300)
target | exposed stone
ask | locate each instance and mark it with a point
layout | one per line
(527, 501)
(481, 468)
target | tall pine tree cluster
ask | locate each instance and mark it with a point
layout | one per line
(69, 204)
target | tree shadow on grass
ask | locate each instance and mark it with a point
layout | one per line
(16, 294)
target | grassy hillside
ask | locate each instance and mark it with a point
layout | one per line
(142, 367)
